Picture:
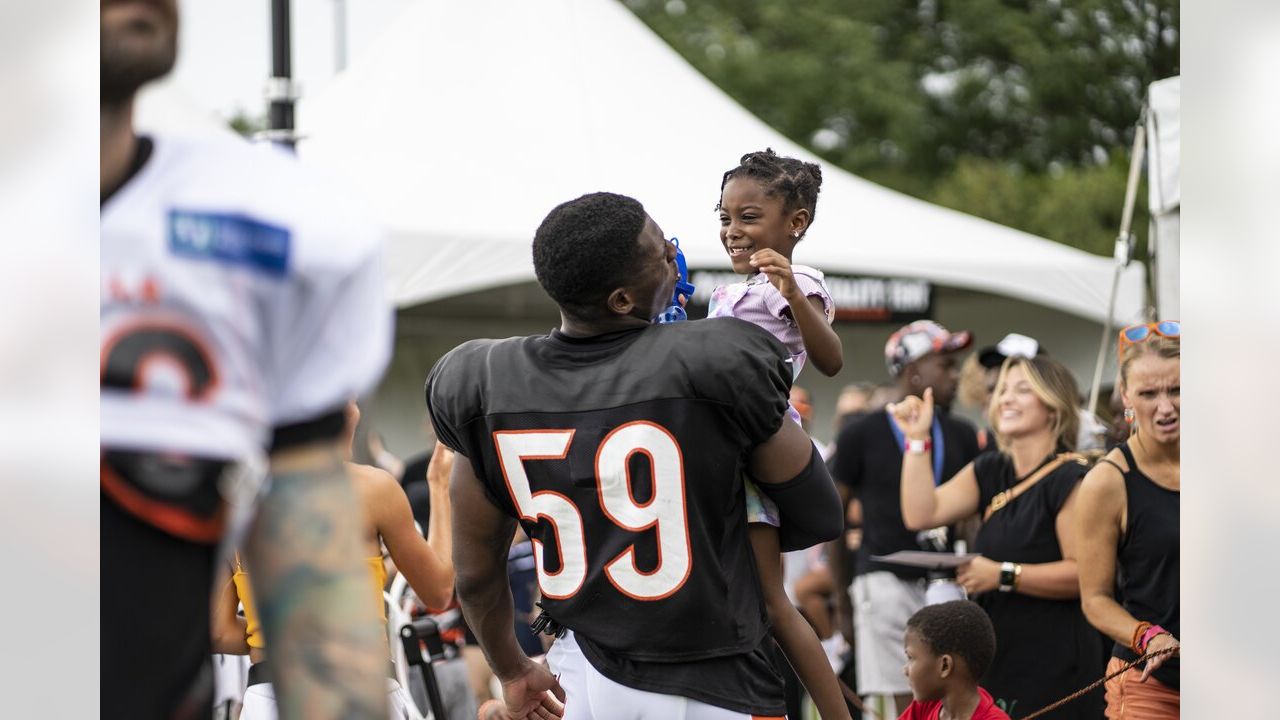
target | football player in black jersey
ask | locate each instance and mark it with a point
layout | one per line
(620, 446)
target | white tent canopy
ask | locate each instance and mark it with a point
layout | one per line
(469, 121)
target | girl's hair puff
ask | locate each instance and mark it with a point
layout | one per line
(795, 181)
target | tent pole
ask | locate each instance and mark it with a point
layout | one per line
(281, 90)
(1123, 253)
(339, 35)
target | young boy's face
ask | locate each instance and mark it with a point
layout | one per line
(923, 669)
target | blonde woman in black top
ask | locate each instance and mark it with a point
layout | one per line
(1026, 578)
(1129, 528)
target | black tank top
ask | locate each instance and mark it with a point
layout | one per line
(1148, 560)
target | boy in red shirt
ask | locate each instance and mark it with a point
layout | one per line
(949, 646)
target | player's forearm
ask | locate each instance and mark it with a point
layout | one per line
(490, 613)
(312, 589)
(820, 340)
(806, 656)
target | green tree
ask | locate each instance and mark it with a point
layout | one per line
(937, 97)
(247, 125)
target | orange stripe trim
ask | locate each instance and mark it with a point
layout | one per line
(162, 515)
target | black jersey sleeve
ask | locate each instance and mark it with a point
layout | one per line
(455, 392)
(749, 370)
(453, 398)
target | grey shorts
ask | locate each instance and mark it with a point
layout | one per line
(882, 603)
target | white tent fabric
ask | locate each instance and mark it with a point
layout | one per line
(469, 121)
(162, 107)
(1164, 170)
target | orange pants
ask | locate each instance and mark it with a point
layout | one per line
(1128, 699)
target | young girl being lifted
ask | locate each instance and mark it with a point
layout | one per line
(766, 205)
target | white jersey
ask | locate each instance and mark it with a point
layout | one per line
(239, 293)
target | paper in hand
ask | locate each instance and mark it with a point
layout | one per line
(927, 560)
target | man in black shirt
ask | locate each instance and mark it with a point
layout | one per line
(869, 463)
(621, 446)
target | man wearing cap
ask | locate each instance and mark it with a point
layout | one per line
(868, 463)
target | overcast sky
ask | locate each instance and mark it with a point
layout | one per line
(225, 52)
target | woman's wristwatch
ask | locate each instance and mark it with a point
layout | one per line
(1010, 573)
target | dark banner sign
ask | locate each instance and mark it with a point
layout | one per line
(857, 299)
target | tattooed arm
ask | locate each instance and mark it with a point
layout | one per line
(328, 648)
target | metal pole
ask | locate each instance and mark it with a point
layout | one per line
(1123, 253)
(339, 35)
(281, 92)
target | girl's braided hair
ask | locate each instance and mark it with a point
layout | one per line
(795, 181)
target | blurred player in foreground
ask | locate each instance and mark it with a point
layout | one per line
(241, 306)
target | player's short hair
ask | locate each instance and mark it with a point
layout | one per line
(795, 181)
(959, 628)
(586, 248)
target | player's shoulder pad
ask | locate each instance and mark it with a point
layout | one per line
(730, 360)
(721, 340)
(459, 379)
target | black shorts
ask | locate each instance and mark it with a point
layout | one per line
(175, 493)
(156, 587)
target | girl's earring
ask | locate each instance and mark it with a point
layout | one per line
(795, 234)
(1129, 415)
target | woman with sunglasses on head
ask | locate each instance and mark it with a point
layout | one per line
(1026, 495)
(1129, 529)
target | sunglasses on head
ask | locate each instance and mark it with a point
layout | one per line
(1141, 333)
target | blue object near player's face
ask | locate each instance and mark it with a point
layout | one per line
(655, 273)
(675, 311)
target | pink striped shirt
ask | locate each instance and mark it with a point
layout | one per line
(757, 301)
